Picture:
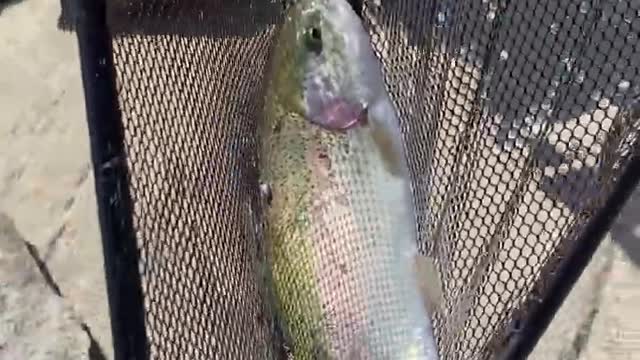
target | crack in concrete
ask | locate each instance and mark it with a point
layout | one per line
(94, 351)
(584, 332)
(52, 244)
(69, 203)
(585, 328)
(84, 175)
(42, 267)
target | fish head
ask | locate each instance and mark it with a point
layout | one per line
(333, 74)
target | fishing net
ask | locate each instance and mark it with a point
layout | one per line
(520, 120)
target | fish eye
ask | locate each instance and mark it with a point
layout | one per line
(313, 39)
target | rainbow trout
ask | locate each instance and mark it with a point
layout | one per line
(342, 256)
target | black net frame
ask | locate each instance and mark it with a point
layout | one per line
(122, 253)
(106, 135)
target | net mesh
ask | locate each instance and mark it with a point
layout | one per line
(518, 118)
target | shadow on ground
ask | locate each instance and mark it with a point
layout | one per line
(6, 3)
(626, 230)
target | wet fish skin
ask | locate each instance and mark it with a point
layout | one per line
(340, 226)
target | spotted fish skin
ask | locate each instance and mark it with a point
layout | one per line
(340, 225)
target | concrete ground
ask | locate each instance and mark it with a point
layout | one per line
(52, 297)
(52, 294)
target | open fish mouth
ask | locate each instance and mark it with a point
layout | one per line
(340, 115)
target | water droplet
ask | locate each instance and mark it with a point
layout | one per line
(494, 129)
(508, 145)
(498, 118)
(551, 93)
(535, 129)
(596, 94)
(584, 7)
(604, 103)
(624, 85)
(568, 62)
(546, 104)
(517, 123)
(528, 120)
(520, 143)
(491, 15)
(581, 153)
(533, 108)
(504, 55)
(441, 18)
(574, 144)
(554, 28)
(580, 77)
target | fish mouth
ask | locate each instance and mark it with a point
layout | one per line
(340, 115)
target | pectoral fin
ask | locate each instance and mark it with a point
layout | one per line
(429, 282)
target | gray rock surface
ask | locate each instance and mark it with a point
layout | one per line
(46, 188)
(35, 322)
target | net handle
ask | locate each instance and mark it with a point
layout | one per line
(108, 157)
